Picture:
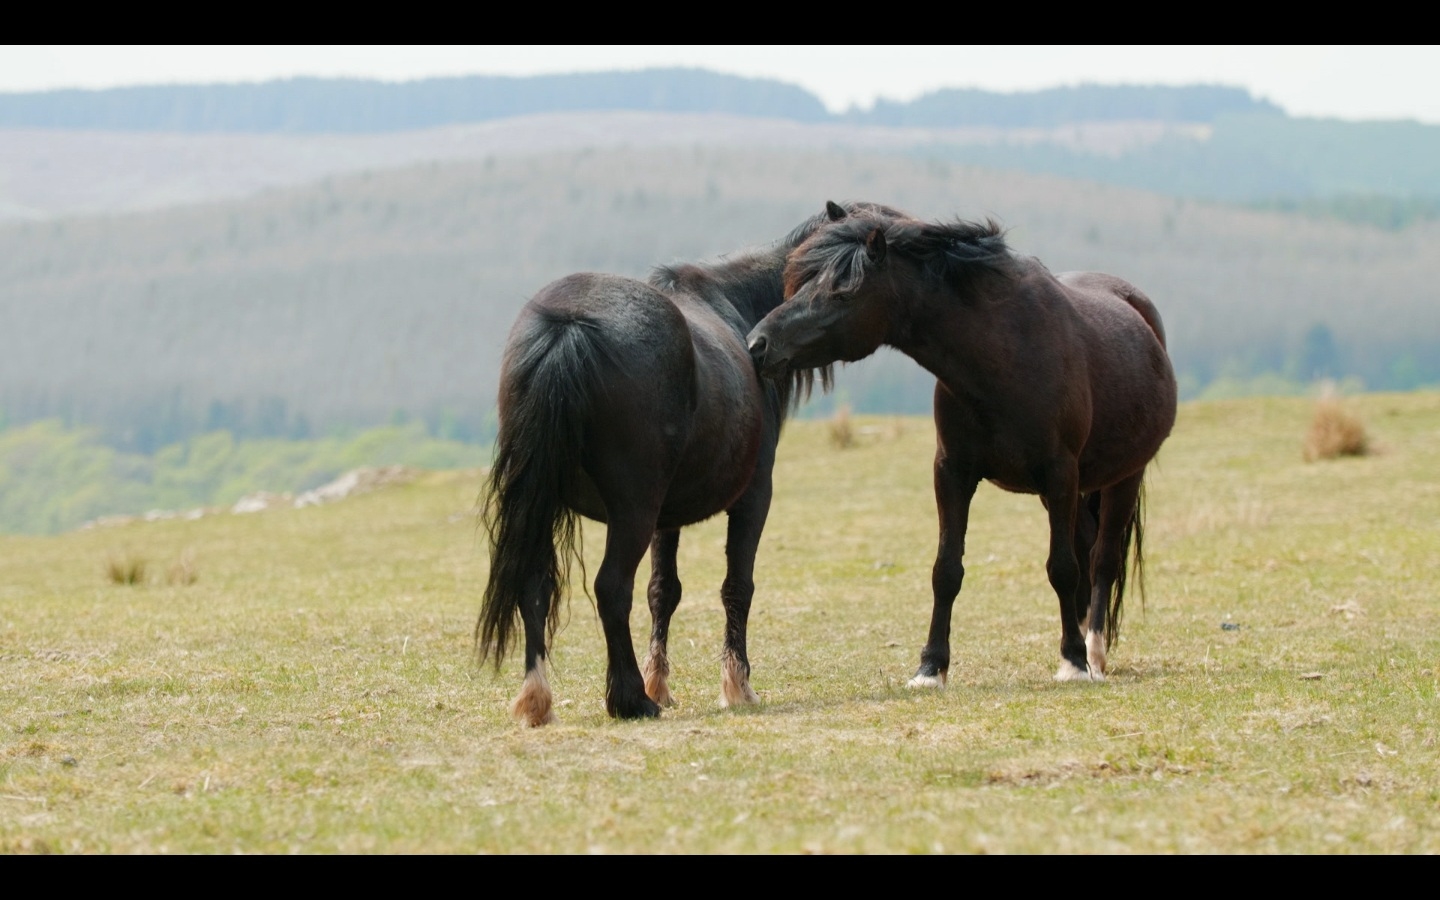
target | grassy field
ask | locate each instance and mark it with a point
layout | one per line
(313, 689)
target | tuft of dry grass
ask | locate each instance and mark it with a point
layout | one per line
(842, 433)
(1334, 430)
(130, 570)
(182, 571)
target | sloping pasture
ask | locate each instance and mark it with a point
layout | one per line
(303, 680)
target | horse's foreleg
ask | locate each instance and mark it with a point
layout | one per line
(664, 596)
(1117, 510)
(534, 705)
(1062, 500)
(953, 493)
(625, 543)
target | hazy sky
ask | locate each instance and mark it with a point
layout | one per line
(1344, 82)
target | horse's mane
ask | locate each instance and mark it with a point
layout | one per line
(837, 257)
(752, 283)
(744, 278)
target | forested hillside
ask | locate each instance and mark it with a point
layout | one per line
(1252, 158)
(360, 299)
(232, 300)
(143, 147)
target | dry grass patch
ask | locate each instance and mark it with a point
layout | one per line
(1334, 431)
(842, 433)
(127, 570)
(315, 690)
(182, 571)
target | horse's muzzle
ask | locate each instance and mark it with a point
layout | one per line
(767, 363)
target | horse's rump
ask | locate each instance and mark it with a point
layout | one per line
(675, 393)
(1100, 286)
(1132, 384)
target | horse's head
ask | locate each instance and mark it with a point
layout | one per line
(834, 307)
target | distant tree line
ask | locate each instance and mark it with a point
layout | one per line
(956, 107)
(158, 422)
(1377, 173)
(1377, 210)
(358, 105)
(54, 478)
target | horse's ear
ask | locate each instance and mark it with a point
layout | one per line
(835, 211)
(875, 246)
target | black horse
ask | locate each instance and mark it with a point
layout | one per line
(637, 405)
(1057, 385)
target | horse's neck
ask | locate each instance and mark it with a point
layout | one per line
(944, 333)
(747, 289)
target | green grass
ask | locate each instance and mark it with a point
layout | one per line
(313, 690)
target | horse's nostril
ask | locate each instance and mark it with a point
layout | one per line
(757, 347)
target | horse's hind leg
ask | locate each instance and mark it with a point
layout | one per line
(1062, 501)
(741, 543)
(625, 541)
(742, 540)
(1117, 509)
(534, 705)
(1087, 518)
(664, 596)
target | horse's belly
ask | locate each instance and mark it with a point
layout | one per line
(716, 470)
(1123, 440)
(726, 432)
(586, 498)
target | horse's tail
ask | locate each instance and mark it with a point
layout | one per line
(547, 389)
(1133, 537)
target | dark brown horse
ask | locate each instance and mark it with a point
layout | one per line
(1057, 385)
(634, 404)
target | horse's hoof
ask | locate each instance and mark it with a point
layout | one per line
(733, 694)
(535, 721)
(656, 673)
(1095, 655)
(920, 681)
(533, 706)
(735, 689)
(1070, 672)
(644, 708)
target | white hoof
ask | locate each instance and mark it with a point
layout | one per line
(1095, 655)
(1070, 672)
(735, 687)
(920, 682)
(656, 672)
(533, 706)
